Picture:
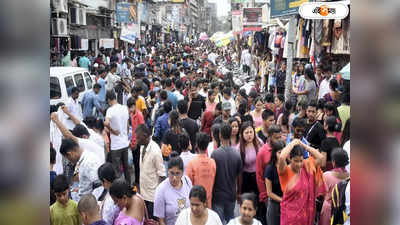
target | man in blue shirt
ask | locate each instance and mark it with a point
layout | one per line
(162, 124)
(299, 126)
(102, 81)
(171, 96)
(84, 61)
(91, 100)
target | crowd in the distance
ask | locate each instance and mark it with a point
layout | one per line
(164, 136)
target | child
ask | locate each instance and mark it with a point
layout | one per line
(64, 211)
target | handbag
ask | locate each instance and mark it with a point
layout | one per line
(147, 220)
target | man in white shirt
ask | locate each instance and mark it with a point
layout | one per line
(181, 73)
(117, 117)
(86, 166)
(74, 107)
(125, 69)
(152, 169)
(227, 92)
(246, 60)
(212, 56)
(112, 78)
(80, 135)
(324, 86)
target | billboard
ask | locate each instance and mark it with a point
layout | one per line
(252, 19)
(130, 32)
(285, 7)
(126, 13)
(237, 25)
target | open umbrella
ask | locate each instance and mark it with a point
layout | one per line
(345, 72)
(203, 36)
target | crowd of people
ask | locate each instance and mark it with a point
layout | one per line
(165, 137)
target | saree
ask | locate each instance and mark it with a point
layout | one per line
(298, 204)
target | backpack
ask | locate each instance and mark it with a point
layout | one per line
(339, 215)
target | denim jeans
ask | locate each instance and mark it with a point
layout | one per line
(224, 210)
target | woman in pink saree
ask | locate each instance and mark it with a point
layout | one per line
(301, 182)
(340, 160)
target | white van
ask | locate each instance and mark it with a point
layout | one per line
(62, 79)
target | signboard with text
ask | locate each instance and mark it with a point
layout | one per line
(281, 8)
(130, 32)
(106, 43)
(252, 19)
(237, 25)
(126, 13)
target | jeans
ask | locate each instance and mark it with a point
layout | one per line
(118, 157)
(273, 212)
(224, 210)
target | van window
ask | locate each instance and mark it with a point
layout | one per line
(69, 84)
(89, 83)
(79, 82)
(55, 89)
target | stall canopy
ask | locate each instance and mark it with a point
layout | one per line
(345, 72)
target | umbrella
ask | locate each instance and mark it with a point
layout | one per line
(246, 33)
(345, 72)
(203, 36)
(216, 36)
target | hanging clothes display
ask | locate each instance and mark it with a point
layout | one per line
(341, 37)
(326, 33)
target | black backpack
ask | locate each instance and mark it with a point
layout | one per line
(339, 215)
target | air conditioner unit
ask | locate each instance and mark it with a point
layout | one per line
(59, 27)
(74, 15)
(60, 6)
(82, 16)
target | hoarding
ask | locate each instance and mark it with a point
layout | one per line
(252, 19)
(237, 25)
(281, 8)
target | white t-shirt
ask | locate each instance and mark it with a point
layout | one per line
(95, 137)
(112, 80)
(184, 218)
(187, 157)
(119, 115)
(324, 88)
(236, 221)
(212, 56)
(91, 146)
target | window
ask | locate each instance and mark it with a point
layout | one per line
(79, 82)
(89, 83)
(69, 84)
(55, 90)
